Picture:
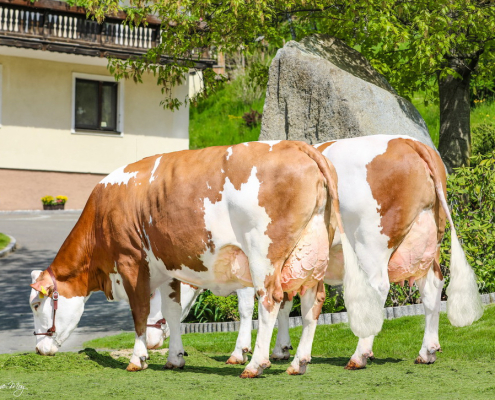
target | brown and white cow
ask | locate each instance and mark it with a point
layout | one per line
(392, 199)
(218, 218)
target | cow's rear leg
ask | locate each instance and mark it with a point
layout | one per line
(243, 345)
(311, 303)
(283, 344)
(172, 311)
(267, 310)
(375, 266)
(430, 288)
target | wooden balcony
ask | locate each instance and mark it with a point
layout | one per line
(55, 26)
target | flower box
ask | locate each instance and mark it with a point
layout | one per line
(53, 206)
(57, 203)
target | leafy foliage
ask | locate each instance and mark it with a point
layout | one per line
(483, 139)
(252, 118)
(471, 194)
(211, 308)
(412, 43)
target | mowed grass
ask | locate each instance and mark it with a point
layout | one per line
(4, 241)
(465, 369)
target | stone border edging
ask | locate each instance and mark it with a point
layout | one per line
(10, 247)
(324, 319)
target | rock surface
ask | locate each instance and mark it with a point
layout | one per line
(320, 89)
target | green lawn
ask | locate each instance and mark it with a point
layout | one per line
(464, 370)
(4, 241)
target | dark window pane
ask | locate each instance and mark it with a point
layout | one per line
(109, 106)
(87, 104)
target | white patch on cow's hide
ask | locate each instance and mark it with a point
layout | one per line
(238, 220)
(229, 152)
(208, 185)
(223, 172)
(157, 162)
(118, 291)
(151, 220)
(118, 177)
(270, 143)
(246, 144)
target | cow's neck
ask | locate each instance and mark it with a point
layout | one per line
(73, 262)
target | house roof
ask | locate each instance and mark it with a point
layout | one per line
(50, 25)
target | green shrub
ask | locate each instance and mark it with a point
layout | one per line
(471, 194)
(483, 139)
(211, 308)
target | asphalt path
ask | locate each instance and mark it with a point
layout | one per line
(39, 235)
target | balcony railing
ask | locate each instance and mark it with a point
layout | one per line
(26, 22)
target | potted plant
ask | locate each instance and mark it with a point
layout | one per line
(57, 203)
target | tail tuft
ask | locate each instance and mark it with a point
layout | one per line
(464, 301)
(363, 302)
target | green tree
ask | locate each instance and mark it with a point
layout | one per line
(442, 47)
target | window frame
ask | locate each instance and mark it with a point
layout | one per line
(119, 132)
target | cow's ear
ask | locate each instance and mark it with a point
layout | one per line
(35, 274)
(45, 288)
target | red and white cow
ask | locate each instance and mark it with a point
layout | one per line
(218, 218)
(392, 199)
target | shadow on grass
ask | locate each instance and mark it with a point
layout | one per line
(342, 361)
(105, 360)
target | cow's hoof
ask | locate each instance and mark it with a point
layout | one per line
(251, 373)
(279, 357)
(421, 360)
(233, 360)
(352, 365)
(133, 367)
(169, 365)
(296, 371)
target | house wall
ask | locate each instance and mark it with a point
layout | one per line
(23, 189)
(36, 117)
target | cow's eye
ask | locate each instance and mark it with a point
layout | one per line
(35, 306)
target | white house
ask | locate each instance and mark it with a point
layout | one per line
(64, 120)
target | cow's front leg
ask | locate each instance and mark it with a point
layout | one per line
(363, 352)
(283, 344)
(268, 310)
(245, 298)
(172, 311)
(430, 288)
(138, 292)
(311, 304)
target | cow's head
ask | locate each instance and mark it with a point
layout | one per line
(67, 316)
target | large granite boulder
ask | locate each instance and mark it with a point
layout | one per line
(320, 89)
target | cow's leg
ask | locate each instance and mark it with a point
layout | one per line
(172, 311)
(283, 344)
(138, 291)
(154, 334)
(267, 318)
(363, 351)
(311, 303)
(375, 265)
(243, 345)
(430, 288)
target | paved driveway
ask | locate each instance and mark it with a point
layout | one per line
(39, 235)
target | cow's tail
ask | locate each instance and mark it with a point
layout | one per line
(363, 302)
(464, 301)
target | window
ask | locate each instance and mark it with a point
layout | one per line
(96, 105)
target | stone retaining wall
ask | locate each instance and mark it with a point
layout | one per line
(324, 319)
